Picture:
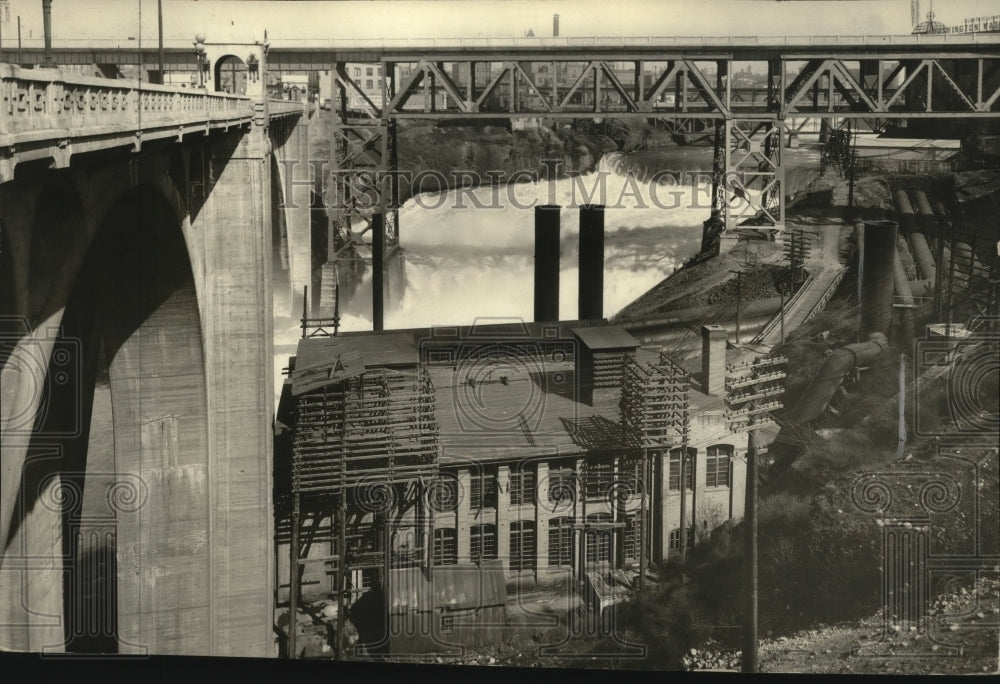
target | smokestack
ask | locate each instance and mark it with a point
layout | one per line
(547, 262)
(47, 29)
(876, 276)
(378, 271)
(555, 25)
(591, 290)
(713, 359)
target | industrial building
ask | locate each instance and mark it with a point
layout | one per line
(511, 446)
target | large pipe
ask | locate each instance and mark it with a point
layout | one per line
(926, 220)
(904, 296)
(922, 255)
(903, 249)
(916, 232)
(547, 262)
(876, 276)
(378, 271)
(907, 219)
(831, 374)
(591, 289)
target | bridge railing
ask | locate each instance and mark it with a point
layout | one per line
(639, 42)
(49, 100)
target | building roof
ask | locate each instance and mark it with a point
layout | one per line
(606, 338)
(320, 361)
(493, 408)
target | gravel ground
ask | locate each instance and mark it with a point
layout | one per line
(962, 637)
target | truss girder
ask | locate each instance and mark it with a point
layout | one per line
(751, 194)
(834, 85)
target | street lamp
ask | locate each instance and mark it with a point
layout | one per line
(199, 50)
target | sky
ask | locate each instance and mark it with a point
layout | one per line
(245, 20)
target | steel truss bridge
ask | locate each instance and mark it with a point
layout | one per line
(692, 83)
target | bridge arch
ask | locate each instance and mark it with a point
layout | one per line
(134, 310)
(229, 73)
(55, 231)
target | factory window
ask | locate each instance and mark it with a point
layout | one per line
(561, 541)
(483, 542)
(369, 84)
(445, 546)
(675, 539)
(562, 487)
(674, 479)
(522, 545)
(357, 71)
(632, 541)
(483, 489)
(599, 538)
(368, 71)
(631, 477)
(522, 486)
(599, 478)
(717, 465)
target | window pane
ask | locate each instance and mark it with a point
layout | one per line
(717, 465)
(598, 540)
(522, 545)
(598, 479)
(562, 487)
(674, 476)
(445, 546)
(476, 497)
(632, 540)
(483, 542)
(561, 541)
(522, 487)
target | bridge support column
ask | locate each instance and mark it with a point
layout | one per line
(234, 236)
(297, 193)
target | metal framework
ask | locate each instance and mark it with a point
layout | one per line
(686, 90)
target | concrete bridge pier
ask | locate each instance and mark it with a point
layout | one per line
(135, 421)
(294, 189)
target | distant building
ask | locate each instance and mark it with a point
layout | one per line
(929, 26)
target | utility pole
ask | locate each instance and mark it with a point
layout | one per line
(159, 54)
(901, 423)
(684, 470)
(19, 39)
(751, 393)
(739, 302)
(781, 296)
(750, 622)
(47, 28)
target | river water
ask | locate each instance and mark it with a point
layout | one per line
(464, 263)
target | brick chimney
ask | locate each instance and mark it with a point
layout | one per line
(713, 359)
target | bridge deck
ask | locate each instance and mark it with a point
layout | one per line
(49, 114)
(308, 54)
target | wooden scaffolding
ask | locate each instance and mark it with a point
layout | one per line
(655, 413)
(364, 450)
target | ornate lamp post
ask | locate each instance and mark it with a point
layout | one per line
(199, 50)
